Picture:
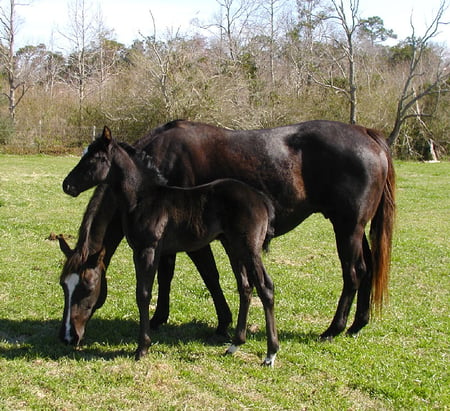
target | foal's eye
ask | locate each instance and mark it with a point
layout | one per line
(100, 158)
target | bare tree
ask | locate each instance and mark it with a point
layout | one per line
(232, 22)
(159, 58)
(340, 50)
(80, 34)
(105, 55)
(17, 85)
(271, 9)
(414, 88)
(350, 22)
(311, 15)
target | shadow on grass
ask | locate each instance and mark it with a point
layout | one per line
(108, 339)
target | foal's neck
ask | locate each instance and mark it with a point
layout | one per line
(126, 177)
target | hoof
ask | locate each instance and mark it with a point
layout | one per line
(269, 361)
(355, 329)
(330, 333)
(140, 353)
(218, 339)
(156, 322)
(222, 331)
(326, 337)
(352, 334)
(231, 349)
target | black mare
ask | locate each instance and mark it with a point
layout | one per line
(343, 171)
(160, 219)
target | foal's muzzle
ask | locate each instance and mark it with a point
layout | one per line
(70, 189)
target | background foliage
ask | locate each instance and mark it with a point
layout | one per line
(259, 63)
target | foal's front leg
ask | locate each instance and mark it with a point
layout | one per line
(166, 269)
(145, 263)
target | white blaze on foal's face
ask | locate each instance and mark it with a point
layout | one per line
(71, 283)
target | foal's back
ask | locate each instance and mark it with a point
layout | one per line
(224, 209)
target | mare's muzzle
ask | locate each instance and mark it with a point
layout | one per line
(69, 337)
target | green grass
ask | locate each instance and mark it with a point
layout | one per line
(398, 362)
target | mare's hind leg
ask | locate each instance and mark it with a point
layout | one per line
(166, 269)
(364, 291)
(206, 266)
(349, 245)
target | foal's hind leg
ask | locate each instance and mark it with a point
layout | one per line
(364, 291)
(245, 289)
(253, 273)
(265, 288)
(349, 245)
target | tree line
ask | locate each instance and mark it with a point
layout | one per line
(255, 64)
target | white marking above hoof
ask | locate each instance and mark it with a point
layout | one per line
(231, 349)
(269, 361)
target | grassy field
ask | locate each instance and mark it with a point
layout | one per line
(398, 362)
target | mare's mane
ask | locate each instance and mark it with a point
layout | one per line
(72, 265)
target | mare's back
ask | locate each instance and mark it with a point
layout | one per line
(189, 153)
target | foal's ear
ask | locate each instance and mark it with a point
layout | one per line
(64, 246)
(106, 135)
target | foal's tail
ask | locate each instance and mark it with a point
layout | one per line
(381, 232)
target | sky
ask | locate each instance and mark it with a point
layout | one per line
(43, 21)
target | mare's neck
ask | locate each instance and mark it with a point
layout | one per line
(95, 221)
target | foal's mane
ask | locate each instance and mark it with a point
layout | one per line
(145, 163)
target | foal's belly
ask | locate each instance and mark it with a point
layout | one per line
(175, 241)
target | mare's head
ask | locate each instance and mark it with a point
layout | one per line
(85, 290)
(93, 167)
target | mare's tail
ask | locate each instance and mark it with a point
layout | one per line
(381, 232)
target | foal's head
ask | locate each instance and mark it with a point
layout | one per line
(93, 167)
(85, 290)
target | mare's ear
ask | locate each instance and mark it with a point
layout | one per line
(97, 258)
(64, 246)
(106, 135)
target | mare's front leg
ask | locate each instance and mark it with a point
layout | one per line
(206, 266)
(145, 262)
